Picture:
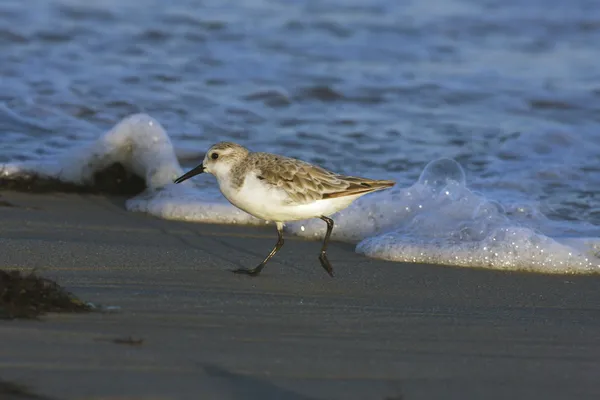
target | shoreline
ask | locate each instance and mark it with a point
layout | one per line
(377, 329)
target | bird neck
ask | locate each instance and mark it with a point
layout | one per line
(232, 176)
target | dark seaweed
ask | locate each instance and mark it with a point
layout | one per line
(29, 296)
(115, 180)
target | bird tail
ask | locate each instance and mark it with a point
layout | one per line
(382, 184)
(361, 186)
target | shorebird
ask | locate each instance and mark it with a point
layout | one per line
(281, 189)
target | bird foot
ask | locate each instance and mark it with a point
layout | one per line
(247, 271)
(326, 264)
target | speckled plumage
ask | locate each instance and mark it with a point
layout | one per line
(301, 181)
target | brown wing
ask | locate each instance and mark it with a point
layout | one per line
(305, 183)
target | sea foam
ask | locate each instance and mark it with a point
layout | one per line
(436, 220)
(138, 142)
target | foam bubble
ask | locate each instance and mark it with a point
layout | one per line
(439, 173)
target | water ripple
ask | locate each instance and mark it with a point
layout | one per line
(373, 87)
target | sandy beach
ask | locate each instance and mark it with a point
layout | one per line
(378, 330)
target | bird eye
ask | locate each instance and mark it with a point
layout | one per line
(214, 156)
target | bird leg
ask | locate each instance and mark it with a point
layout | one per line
(256, 270)
(323, 256)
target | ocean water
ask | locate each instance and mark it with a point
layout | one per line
(486, 113)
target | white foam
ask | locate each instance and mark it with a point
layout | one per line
(436, 220)
(142, 146)
(185, 202)
(138, 142)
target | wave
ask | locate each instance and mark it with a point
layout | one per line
(436, 220)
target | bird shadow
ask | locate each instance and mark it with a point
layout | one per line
(217, 254)
(259, 256)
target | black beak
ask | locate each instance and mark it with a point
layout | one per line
(198, 170)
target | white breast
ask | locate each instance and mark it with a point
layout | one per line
(271, 204)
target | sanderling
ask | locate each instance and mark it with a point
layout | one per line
(281, 189)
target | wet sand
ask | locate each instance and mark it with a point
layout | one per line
(187, 328)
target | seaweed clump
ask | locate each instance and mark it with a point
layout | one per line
(29, 296)
(115, 180)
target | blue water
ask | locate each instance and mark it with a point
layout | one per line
(509, 89)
